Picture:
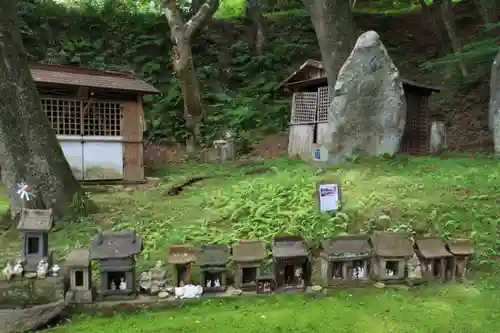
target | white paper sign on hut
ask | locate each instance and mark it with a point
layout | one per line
(329, 197)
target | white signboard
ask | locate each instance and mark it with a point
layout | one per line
(329, 197)
(320, 154)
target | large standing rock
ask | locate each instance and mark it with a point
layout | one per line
(494, 109)
(368, 112)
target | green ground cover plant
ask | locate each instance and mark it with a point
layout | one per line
(448, 196)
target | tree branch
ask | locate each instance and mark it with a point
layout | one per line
(174, 19)
(206, 10)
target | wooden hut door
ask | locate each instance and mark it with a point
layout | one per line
(90, 136)
(102, 141)
(301, 136)
(415, 138)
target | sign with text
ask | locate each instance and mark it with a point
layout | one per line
(319, 154)
(328, 196)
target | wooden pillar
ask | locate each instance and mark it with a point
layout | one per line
(133, 159)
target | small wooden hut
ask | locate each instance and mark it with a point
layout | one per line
(462, 250)
(213, 260)
(345, 260)
(391, 252)
(291, 263)
(311, 99)
(248, 256)
(436, 260)
(98, 119)
(181, 257)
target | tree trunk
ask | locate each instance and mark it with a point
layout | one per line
(487, 10)
(449, 23)
(430, 15)
(258, 23)
(332, 21)
(29, 150)
(193, 107)
(181, 35)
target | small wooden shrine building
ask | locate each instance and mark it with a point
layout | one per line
(213, 260)
(181, 257)
(116, 251)
(291, 262)
(437, 262)
(345, 260)
(248, 256)
(391, 252)
(311, 100)
(98, 119)
(462, 250)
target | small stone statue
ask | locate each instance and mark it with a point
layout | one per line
(123, 284)
(217, 283)
(8, 271)
(208, 284)
(42, 269)
(112, 285)
(18, 268)
(55, 270)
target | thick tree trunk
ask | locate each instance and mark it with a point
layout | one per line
(431, 16)
(193, 107)
(258, 23)
(29, 150)
(181, 35)
(487, 9)
(449, 23)
(332, 21)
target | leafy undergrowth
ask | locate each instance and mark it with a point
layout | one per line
(451, 196)
(457, 308)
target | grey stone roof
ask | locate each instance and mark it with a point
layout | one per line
(35, 220)
(213, 255)
(289, 247)
(116, 244)
(78, 258)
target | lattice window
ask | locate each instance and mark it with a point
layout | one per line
(102, 119)
(323, 103)
(64, 115)
(305, 107)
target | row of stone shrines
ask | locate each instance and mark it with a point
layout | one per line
(345, 260)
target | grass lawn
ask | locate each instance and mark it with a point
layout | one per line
(450, 308)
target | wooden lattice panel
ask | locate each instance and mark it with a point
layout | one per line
(323, 103)
(75, 117)
(102, 119)
(64, 115)
(305, 107)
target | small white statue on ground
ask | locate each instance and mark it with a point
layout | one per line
(8, 271)
(123, 284)
(217, 283)
(208, 284)
(188, 291)
(42, 269)
(18, 268)
(55, 270)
